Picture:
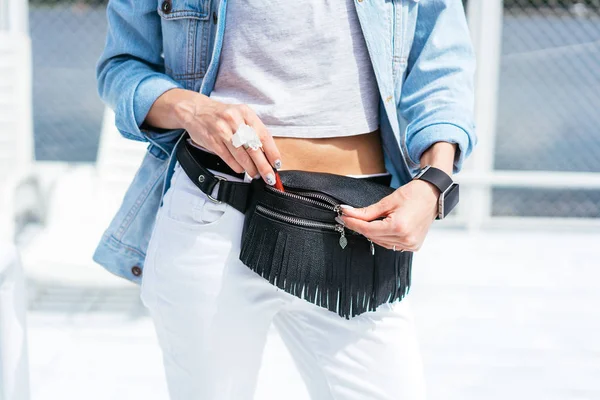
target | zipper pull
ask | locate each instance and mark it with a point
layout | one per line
(343, 240)
(372, 247)
(338, 210)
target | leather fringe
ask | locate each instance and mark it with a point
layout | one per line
(311, 265)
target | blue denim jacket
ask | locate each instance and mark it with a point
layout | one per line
(420, 51)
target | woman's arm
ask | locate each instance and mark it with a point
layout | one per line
(437, 102)
(211, 124)
(438, 94)
(440, 155)
(408, 212)
(130, 71)
(151, 106)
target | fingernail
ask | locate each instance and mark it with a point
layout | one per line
(270, 179)
(277, 164)
(257, 176)
(340, 221)
(347, 207)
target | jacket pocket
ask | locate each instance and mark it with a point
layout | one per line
(186, 26)
(176, 9)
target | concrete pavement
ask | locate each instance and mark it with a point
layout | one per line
(511, 315)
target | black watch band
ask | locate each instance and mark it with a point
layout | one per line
(448, 188)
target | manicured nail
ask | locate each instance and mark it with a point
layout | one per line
(340, 221)
(347, 207)
(277, 164)
(257, 176)
(270, 179)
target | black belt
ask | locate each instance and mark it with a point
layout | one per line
(196, 164)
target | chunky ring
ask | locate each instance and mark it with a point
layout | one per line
(246, 136)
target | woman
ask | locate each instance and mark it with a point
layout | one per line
(362, 89)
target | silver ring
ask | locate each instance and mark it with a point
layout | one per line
(394, 247)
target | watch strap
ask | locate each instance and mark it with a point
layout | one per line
(448, 197)
(436, 177)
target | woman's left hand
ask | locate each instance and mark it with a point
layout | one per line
(408, 214)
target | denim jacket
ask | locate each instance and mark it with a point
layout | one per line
(421, 55)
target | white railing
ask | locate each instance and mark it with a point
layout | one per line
(14, 367)
(14, 16)
(16, 122)
(16, 158)
(485, 21)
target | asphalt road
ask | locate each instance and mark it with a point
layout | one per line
(548, 100)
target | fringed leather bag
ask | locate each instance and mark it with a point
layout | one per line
(291, 237)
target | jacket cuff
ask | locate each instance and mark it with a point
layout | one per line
(146, 93)
(443, 132)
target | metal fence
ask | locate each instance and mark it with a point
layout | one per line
(67, 38)
(549, 99)
(545, 105)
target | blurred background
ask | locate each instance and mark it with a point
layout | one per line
(505, 292)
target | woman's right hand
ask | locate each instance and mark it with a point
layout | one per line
(211, 124)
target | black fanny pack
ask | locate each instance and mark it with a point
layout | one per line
(292, 239)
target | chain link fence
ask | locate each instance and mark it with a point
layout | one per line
(549, 98)
(549, 102)
(67, 39)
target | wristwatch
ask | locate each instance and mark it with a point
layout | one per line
(448, 188)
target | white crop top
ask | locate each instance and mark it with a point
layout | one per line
(302, 66)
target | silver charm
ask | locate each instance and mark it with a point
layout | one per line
(343, 240)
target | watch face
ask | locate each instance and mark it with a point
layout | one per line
(448, 201)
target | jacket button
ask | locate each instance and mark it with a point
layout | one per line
(136, 271)
(166, 6)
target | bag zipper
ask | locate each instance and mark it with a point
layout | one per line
(323, 201)
(314, 198)
(306, 223)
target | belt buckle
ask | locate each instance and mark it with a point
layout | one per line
(216, 201)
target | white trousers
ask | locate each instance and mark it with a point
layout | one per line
(214, 318)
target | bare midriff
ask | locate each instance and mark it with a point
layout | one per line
(346, 155)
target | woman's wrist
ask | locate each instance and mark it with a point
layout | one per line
(440, 155)
(174, 108)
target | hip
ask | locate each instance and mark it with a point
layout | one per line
(196, 241)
